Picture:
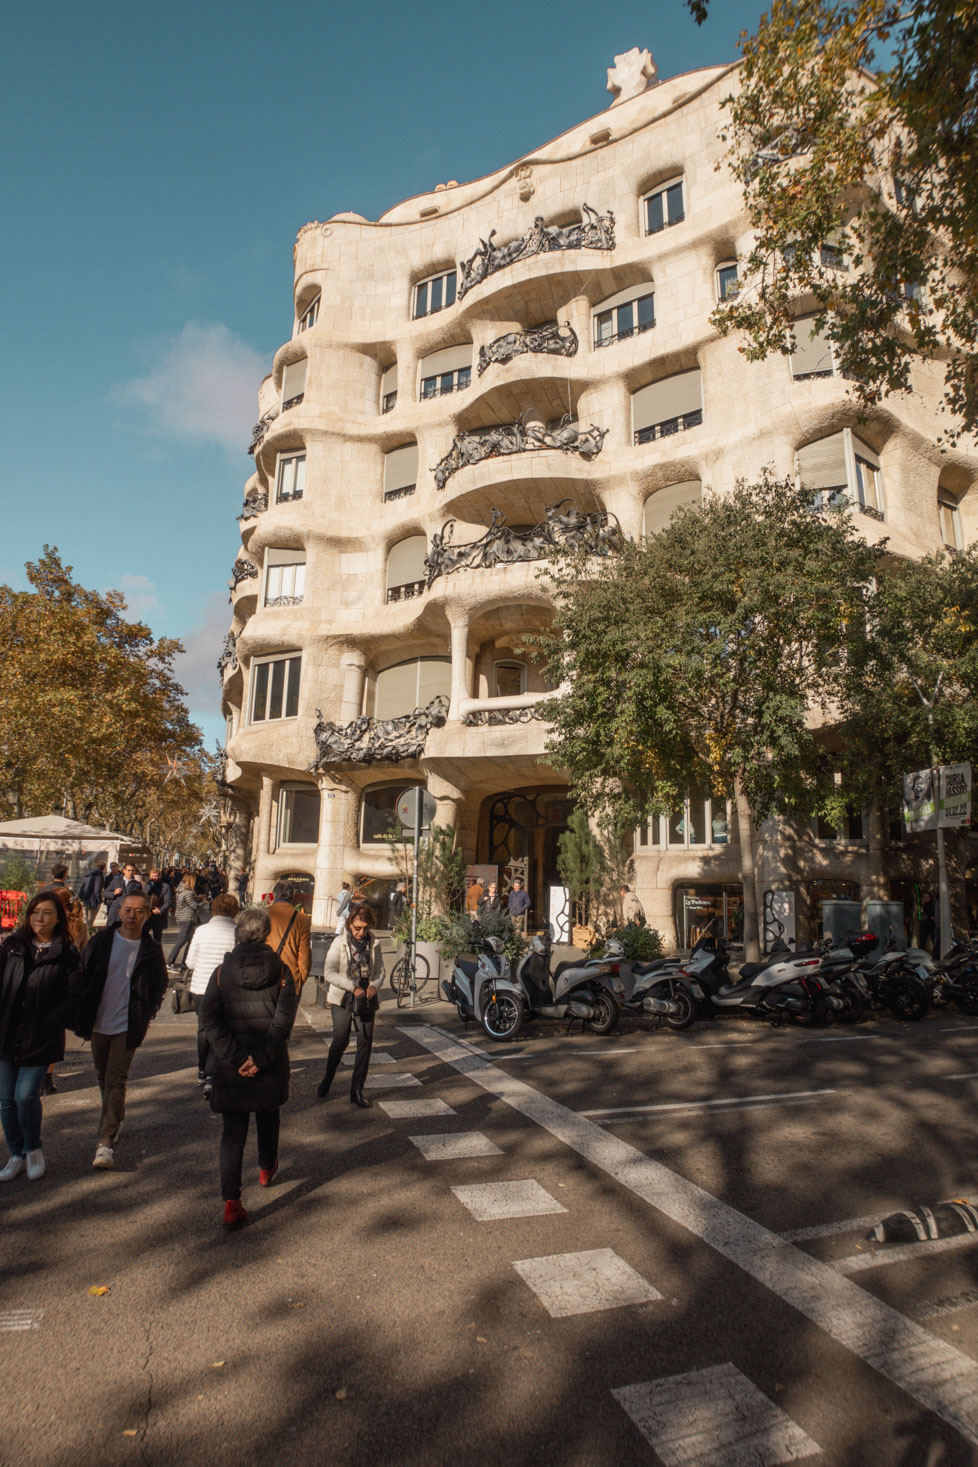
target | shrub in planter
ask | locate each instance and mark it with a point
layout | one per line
(640, 944)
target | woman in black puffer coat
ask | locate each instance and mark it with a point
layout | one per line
(248, 1012)
(40, 982)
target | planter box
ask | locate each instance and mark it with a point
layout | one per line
(584, 937)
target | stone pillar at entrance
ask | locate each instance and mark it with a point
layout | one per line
(238, 842)
(461, 684)
(337, 814)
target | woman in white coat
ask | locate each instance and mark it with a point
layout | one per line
(209, 946)
(354, 969)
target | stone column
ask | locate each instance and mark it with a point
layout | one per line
(337, 814)
(461, 680)
(264, 836)
(238, 842)
(353, 666)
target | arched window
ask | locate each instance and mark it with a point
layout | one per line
(309, 314)
(843, 464)
(663, 504)
(406, 569)
(434, 294)
(664, 206)
(409, 685)
(950, 516)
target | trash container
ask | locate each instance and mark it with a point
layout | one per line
(319, 943)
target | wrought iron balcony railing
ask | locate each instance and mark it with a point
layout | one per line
(678, 424)
(405, 592)
(401, 493)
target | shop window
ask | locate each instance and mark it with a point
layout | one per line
(719, 909)
(410, 685)
(664, 206)
(671, 405)
(275, 688)
(434, 294)
(627, 314)
(298, 815)
(378, 812)
(290, 479)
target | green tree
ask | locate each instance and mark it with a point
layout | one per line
(92, 719)
(881, 164)
(706, 657)
(581, 863)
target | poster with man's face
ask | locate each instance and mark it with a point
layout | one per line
(919, 804)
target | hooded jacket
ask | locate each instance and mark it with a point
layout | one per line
(38, 995)
(249, 1009)
(147, 985)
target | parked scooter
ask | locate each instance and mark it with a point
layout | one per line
(471, 983)
(783, 987)
(669, 989)
(580, 988)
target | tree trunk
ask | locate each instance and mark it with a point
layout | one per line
(752, 946)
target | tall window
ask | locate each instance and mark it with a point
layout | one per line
(508, 679)
(294, 383)
(298, 815)
(727, 281)
(400, 471)
(843, 466)
(388, 390)
(275, 688)
(406, 568)
(868, 484)
(664, 206)
(409, 685)
(290, 481)
(309, 316)
(950, 516)
(434, 294)
(285, 577)
(617, 319)
(671, 405)
(812, 356)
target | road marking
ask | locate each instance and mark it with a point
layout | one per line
(20, 1319)
(389, 1082)
(713, 1418)
(722, 1044)
(544, 1053)
(375, 1059)
(968, 1075)
(583, 1283)
(413, 1110)
(860, 1262)
(930, 1371)
(950, 1304)
(825, 1230)
(840, 1038)
(490, 1201)
(702, 1104)
(455, 1144)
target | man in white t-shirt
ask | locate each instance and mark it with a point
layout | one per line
(125, 980)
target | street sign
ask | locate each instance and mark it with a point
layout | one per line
(407, 804)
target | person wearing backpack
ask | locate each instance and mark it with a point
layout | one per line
(248, 1012)
(289, 934)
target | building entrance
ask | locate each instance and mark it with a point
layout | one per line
(518, 833)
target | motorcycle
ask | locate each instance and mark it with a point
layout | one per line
(951, 979)
(580, 988)
(784, 986)
(471, 983)
(669, 989)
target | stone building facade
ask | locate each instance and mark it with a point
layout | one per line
(484, 369)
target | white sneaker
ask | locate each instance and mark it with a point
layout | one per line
(103, 1158)
(35, 1165)
(13, 1169)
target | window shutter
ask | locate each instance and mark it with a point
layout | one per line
(811, 353)
(822, 465)
(294, 379)
(669, 398)
(405, 563)
(401, 467)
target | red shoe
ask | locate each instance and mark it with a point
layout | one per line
(266, 1174)
(234, 1213)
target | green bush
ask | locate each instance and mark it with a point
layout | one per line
(640, 944)
(16, 874)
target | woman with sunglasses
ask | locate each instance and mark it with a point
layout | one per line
(354, 969)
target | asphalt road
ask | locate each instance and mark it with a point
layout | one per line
(642, 1249)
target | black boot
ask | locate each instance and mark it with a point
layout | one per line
(358, 1098)
(322, 1090)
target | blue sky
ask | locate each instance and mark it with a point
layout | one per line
(156, 166)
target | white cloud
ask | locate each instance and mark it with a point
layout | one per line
(202, 387)
(196, 668)
(140, 594)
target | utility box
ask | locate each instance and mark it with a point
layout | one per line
(886, 920)
(319, 943)
(838, 918)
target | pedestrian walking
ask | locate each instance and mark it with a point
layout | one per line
(631, 908)
(74, 915)
(518, 903)
(58, 877)
(160, 895)
(131, 885)
(473, 896)
(90, 892)
(248, 1011)
(40, 983)
(209, 946)
(343, 902)
(397, 903)
(354, 970)
(124, 981)
(187, 911)
(490, 901)
(242, 885)
(290, 933)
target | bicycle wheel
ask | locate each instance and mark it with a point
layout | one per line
(401, 982)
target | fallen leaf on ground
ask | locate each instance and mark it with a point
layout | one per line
(97, 1290)
(297, 1305)
(216, 1364)
(130, 1432)
(341, 1393)
(481, 1339)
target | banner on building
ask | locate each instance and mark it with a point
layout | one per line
(932, 796)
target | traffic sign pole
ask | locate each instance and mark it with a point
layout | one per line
(418, 808)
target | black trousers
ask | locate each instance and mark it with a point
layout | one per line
(233, 1139)
(203, 1048)
(185, 932)
(342, 1023)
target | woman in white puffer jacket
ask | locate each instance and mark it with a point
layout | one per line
(209, 946)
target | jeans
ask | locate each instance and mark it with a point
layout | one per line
(342, 1022)
(233, 1139)
(203, 1047)
(113, 1060)
(185, 932)
(20, 1105)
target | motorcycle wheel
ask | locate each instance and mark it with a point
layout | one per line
(906, 998)
(463, 1014)
(607, 1020)
(967, 1001)
(687, 1009)
(815, 1012)
(855, 1004)
(503, 1017)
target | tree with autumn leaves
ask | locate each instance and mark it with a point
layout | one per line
(92, 720)
(853, 129)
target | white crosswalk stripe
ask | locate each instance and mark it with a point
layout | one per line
(414, 1110)
(583, 1283)
(713, 1418)
(455, 1145)
(20, 1319)
(489, 1201)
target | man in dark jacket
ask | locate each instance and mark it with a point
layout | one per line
(160, 894)
(90, 892)
(131, 886)
(124, 980)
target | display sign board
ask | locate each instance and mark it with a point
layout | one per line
(407, 805)
(937, 796)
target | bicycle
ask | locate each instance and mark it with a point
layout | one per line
(405, 984)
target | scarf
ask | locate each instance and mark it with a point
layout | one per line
(358, 958)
